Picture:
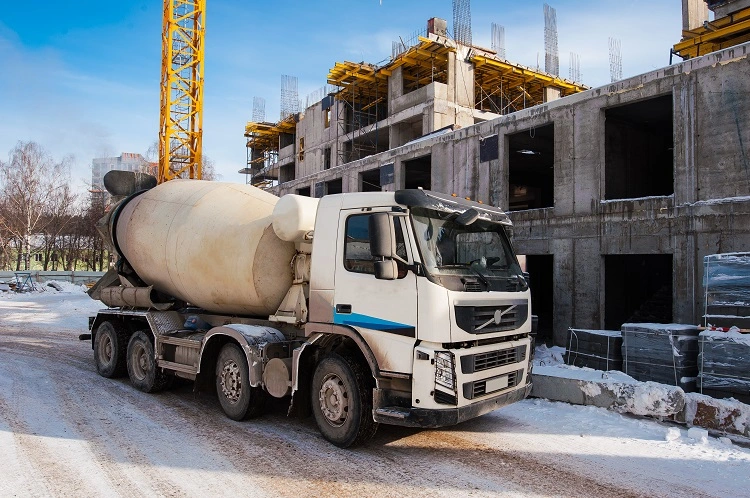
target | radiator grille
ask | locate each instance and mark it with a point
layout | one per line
(482, 319)
(492, 359)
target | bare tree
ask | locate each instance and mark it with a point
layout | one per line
(59, 215)
(29, 184)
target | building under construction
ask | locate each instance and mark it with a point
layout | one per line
(616, 193)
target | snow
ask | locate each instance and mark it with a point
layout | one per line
(48, 308)
(697, 434)
(549, 361)
(733, 335)
(84, 434)
(608, 333)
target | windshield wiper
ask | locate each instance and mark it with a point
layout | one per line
(480, 275)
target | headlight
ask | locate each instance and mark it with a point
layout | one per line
(444, 374)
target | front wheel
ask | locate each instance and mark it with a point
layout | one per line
(144, 374)
(342, 401)
(238, 398)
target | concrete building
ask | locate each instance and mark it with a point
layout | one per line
(617, 193)
(127, 161)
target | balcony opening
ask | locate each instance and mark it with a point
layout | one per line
(531, 168)
(369, 181)
(334, 187)
(639, 146)
(418, 172)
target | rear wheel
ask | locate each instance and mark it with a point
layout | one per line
(342, 401)
(110, 349)
(238, 398)
(144, 374)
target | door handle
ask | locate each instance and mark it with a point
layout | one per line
(343, 308)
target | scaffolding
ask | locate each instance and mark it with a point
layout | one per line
(721, 33)
(358, 100)
(502, 87)
(263, 139)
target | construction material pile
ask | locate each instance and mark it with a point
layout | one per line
(724, 361)
(597, 349)
(665, 353)
(726, 281)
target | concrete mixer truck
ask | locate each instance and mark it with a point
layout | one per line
(405, 308)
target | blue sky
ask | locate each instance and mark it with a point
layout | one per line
(82, 77)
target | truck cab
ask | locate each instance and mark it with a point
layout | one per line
(430, 284)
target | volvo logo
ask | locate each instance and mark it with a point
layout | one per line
(497, 318)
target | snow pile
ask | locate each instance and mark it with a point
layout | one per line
(544, 356)
(49, 309)
(648, 399)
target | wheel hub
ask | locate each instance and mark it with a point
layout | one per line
(334, 400)
(231, 381)
(106, 348)
(140, 365)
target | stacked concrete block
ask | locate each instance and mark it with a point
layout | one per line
(726, 282)
(597, 349)
(665, 353)
(724, 363)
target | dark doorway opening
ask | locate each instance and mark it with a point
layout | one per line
(539, 268)
(286, 173)
(637, 289)
(418, 172)
(639, 149)
(334, 187)
(304, 191)
(531, 163)
(369, 181)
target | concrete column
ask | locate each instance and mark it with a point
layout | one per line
(395, 87)
(563, 288)
(694, 14)
(551, 93)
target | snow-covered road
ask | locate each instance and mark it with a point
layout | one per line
(65, 431)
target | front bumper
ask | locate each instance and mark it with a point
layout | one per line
(431, 418)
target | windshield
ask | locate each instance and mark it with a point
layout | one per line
(474, 257)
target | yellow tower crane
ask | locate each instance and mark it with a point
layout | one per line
(181, 109)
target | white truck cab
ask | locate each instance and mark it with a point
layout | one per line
(442, 305)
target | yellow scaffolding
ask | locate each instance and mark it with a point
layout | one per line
(500, 87)
(181, 108)
(721, 33)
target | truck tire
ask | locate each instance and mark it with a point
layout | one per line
(238, 398)
(110, 349)
(144, 374)
(342, 401)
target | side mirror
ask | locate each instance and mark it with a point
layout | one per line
(381, 240)
(386, 270)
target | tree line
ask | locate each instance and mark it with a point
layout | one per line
(44, 223)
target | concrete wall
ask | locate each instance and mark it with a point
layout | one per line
(708, 213)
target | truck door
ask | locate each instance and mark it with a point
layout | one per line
(384, 312)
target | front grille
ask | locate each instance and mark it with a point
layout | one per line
(481, 319)
(478, 388)
(492, 359)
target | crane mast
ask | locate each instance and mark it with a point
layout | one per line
(181, 107)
